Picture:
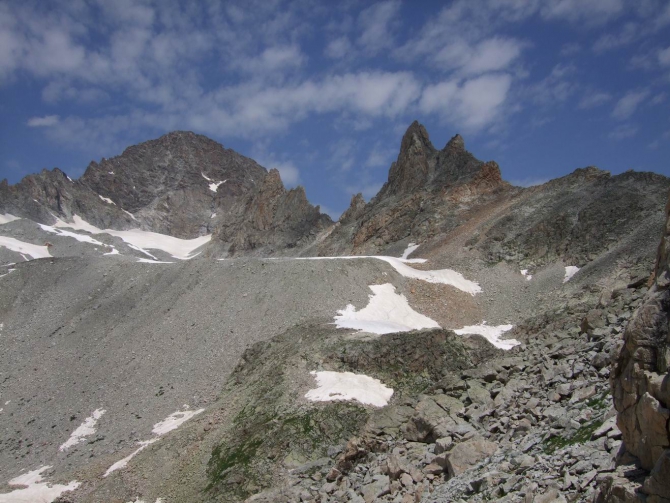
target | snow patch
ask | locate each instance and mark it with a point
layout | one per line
(130, 214)
(113, 252)
(349, 386)
(491, 334)
(107, 200)
(86, 429)
(23, 248)
(124, 462)
(213, 215)
(442, 276)
(6, 218)
(524, 273)
(174, 421)
(570, 271)
(213, 186)
(34, 490)
(409, 250)
(149, 261)
(82, 238)
(386, 313)
(181, 249)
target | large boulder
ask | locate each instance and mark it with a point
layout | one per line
(640, 381)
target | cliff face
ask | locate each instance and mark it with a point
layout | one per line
(641, 382)
(272, 221)
(180, 184)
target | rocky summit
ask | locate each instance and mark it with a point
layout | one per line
(177, 326)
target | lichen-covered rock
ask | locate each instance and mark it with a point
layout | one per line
(467, 454)
(640, 381)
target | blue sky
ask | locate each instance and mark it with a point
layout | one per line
(323, 90)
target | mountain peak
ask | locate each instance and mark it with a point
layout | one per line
(416, 136)
(456, 144)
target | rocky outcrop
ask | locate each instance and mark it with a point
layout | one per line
(273, 220)
(43, 196)
(182, 183)
(641, 382)
(428, 192)
(576, 218)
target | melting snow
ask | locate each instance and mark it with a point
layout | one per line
(524, 273)
(34, 251)
(491, 334)
(34, 490)
(349, 386)
(124, 462)
(570, 271)
(85, 429)
(172, 422)
(178, 248)
(107, 200)
(442, 276)
(6, 218)
(213, 186)
(149, 261)
(409, 250)
(386, 313)
(113, 252)
(83, 238)
(129, 214)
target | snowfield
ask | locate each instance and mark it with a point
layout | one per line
(387, 312)
(491, 334)
(34, 490)
(349, 386)
(34, 251)
(6, 218)
(181, 249)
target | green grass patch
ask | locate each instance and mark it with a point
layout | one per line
(583, 434)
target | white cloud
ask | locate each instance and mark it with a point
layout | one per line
(623, 131)
(664, 57)
(338, 48)
(491, 54)
(273, 59)
(374, 23)
(570, 49)
(594, 99)
(474, 104)
(629, 33)
(586, 11)
(46, 121)
(658, 99)
(290, 175)
(627, 105)
(379, 157)
(556, 87)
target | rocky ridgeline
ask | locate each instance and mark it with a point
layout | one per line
(535, 425)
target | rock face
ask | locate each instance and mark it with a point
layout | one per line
(42, 196)
(428, 191)
(641, 383)
(180, 184)
(272, 221)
